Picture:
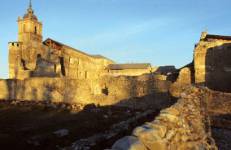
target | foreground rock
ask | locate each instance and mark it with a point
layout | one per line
(183, 126)
(61, 132)
(100, 140)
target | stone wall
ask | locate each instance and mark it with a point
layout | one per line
(79, 65)
(219, 107)
(185, 125)
(212, 64)
(218, 104)
(129, 72)
(184, 78)
(106, 91)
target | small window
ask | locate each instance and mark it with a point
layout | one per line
(105, 91)
(55, 68)
(35, 30)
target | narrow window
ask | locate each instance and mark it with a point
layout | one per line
(105, 91)
(35, 30)
(62, 66)
(55, 68)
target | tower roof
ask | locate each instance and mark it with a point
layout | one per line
(30, 13)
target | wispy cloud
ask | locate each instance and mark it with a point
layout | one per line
(126, 31)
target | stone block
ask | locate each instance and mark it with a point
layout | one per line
(128, 143)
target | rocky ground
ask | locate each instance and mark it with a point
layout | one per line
(29, 125)
(222, 137)
(221, 131)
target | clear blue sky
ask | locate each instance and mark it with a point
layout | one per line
(162, 32)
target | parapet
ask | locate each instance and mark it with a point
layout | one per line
(14, 45)
(203, 35)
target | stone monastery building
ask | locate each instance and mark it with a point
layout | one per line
(30, 56)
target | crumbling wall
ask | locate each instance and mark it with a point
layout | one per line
(184, 78)
(185, 125)
(4, 88)
(219, 103)
(105, 91)
(219, 108)
(129, 72)
(212, 64)
(121, 89)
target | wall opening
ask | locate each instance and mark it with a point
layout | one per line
(23, 64)
(55, 68)
(105, 91)
(35, 30)
(62, 66)
(39, 56)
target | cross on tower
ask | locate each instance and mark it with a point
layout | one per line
(30, 4)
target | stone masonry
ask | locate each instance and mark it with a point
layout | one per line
(212, 62)
(185, 125)
(106, 91)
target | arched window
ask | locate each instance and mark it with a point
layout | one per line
(35, 30)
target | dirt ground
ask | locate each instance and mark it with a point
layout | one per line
(221, 131)
(222, 137)
(32, 126)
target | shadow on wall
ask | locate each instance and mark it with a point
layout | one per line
(164, 70)
(218, 68)
(152, 101)
(109, 91)
(43, 89)
(183, 73)
(40, 121)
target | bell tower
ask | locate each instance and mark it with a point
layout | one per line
(30, 35)
(23, 53)
(29, 28)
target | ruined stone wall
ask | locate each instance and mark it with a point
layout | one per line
(152, 89)
(129, 72)
(23, 58)
(218, 104)
(23, 63)
(219, 107)
(14, 58)
(212, 64)
(4, 88)
(106, 91)
(184, 78)
(80, 66)
(185, 125)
